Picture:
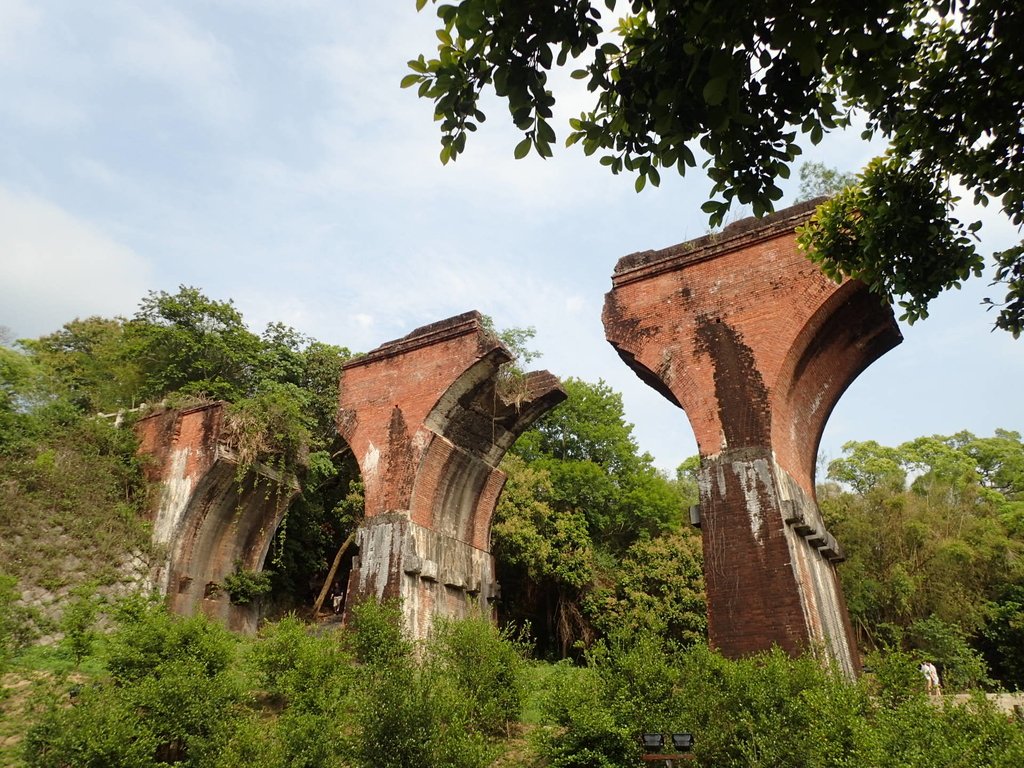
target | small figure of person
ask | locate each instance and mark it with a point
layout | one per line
(931, 678)
(336, 600)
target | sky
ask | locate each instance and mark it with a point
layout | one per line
(262, 151)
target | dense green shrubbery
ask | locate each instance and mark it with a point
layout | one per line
(487, 668)
(170, 689)
(77, 622)
(245, 587)
(769, 711)
(365, 697)
(435, 708)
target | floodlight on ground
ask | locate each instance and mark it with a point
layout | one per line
(682, 741)
(653, 740)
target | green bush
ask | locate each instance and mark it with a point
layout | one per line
(148, 636)
(918, 734)
(242, 742)
(586, 732)
(171, 697)
(895, 676)
(769, 710)
(245, 587)
(102, 729)
(412, 716)
(310, 677)
(411, 711)
(378, 635)
(486, 665)
(77, 622)
(304, 671)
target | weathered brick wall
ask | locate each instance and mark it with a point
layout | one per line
(428, 428)
(205, 520)
(747, 335)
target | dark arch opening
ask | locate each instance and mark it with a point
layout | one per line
(311, 535)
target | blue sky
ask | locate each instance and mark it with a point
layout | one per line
(261, 150)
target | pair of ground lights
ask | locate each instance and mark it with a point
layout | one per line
(654, 745)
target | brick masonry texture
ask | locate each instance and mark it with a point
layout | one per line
(205, 518)
(756, 344)
(428, 425)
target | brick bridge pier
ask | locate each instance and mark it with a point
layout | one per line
(208, 521)
(747, 335)
(428, 424)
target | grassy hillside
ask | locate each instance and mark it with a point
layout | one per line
(71, 499)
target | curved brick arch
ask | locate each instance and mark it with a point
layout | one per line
(428, 428)
(757, 345)
(844, 336)
(228, 525)
(207, 520)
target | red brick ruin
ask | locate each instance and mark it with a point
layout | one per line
(428, 424)
(756, 344)
(207, 521)
(737, 328)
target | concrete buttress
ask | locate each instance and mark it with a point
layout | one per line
(756, 344)
(428, 424)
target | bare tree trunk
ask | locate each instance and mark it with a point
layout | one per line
(332, 573)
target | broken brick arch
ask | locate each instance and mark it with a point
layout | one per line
(428, 423)
(207, 521)
(756, 344)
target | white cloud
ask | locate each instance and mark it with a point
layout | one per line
(574, 305)
(33, 50)
(55, 267)
(383, 139)
(46, 111)
(17, 20)
(97, 173)
(163, 46)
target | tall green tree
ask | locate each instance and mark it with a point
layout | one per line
(596, 468)
(186, 342)
(569, 530)
(87, 362)
(20, 382)
(748, 84)
(934, 560)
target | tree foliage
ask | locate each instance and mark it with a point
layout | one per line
(186, 342)
(658, 587)
(935, 564)
(87, 362)
(893, 231)
(819, 180)
(570, 529)
(596, 467)
(282, 389)
(748, 84)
